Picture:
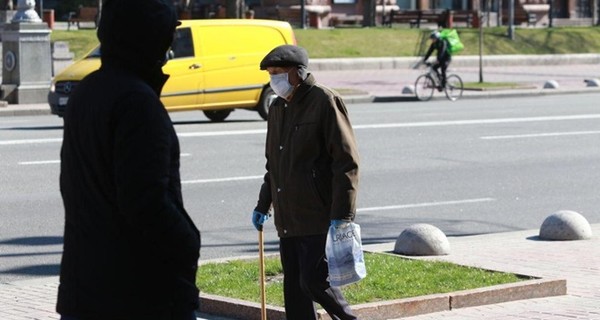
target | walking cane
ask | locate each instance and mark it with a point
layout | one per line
(261, 257)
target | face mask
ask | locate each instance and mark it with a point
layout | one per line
(281, 85)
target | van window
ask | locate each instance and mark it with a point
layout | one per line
(183, 44)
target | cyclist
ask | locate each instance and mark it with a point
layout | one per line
(443, 56)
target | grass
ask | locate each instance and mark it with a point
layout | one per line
(80, 41)
(389, 277)
(403, 41)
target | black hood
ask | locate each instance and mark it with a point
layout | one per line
(136, 33)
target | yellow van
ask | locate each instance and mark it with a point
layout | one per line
(213, 67)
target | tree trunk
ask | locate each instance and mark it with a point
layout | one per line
(234, 9)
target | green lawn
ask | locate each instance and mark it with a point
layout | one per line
(389, 277)
(402, 41)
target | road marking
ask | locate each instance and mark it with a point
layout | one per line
(28, 163)
(426, 204)
(476, 121)
(540, 135)
(222, 180)
(221, 133)
(357, 127)
(30, 141)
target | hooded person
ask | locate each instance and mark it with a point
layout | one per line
(130, 248)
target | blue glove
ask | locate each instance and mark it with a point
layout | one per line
(339, 223)
(258, 219)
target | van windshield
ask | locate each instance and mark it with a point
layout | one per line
(94, 54)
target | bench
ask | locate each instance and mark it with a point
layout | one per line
(521, 16)
(416, 17)
(469, 17)
(341, 20)
(83, 14)
(411, 17)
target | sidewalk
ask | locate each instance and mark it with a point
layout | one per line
(518, 252)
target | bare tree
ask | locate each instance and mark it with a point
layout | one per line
(235, 8)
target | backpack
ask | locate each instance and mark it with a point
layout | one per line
(454, 43)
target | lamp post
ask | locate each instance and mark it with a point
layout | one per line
(550, 9)
(511, 19)
(480, 46)
(302, 14)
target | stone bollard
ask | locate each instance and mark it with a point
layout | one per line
(565, 225)
(551, 84)
(592, 82)
(422, 240)
(408, 89)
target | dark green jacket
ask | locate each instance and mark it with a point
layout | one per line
(312, 162)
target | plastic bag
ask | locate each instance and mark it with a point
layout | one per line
(344, 255)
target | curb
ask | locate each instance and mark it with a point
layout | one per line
(24, 112)
(408, 307)
(338, 64)
(367, 98)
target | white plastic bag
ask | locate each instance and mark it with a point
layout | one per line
(344, 255)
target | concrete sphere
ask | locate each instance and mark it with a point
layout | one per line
(551, 84)
(422, 240)
(408, 89)
(565, 225)
(592, 82)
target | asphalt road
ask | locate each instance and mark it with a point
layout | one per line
(468, 167)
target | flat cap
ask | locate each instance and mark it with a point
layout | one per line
(285, 56)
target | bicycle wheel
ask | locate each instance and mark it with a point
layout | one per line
(454, 87)
(424, 87)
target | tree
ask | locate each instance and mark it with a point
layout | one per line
(234, 8)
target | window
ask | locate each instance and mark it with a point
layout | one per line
(183, 45)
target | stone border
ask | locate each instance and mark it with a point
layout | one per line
(528, 289)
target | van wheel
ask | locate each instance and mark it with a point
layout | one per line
(217, 115)
(266, 98)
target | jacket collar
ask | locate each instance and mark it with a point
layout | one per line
(303, 88)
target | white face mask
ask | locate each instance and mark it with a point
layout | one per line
(281, 85)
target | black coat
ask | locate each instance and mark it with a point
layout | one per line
(441, 48)
(129, 244)
(130, 248)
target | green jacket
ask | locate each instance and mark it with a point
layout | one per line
(312, 162)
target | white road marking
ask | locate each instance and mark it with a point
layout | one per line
(221, 179)
(476, 121)
(358, 127)
(28, 163)
(426, 204)
(540, 135)
(29, 141)
(221, 133)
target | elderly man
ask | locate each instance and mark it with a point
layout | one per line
(311, 180)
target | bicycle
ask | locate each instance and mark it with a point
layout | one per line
(430, 80)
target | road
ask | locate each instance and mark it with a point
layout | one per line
(469, 167)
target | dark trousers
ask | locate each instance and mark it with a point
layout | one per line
(305, 280)
(441, 66)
